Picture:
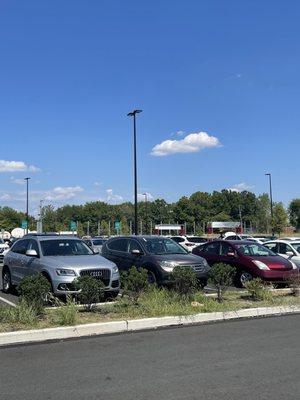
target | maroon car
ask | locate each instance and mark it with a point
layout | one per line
(250, 259)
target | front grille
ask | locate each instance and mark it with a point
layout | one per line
(101, 274)
(197, 268)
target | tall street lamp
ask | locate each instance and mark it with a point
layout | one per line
(27, 215)
(271, 197)
(133, 114)
(146, 203)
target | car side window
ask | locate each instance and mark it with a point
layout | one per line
(212, 248)
(118, 244)
(20, 246)
(178, 239)
(33, 245)
(226, 248)
(272, 246)
(284, 248)
(134, 245)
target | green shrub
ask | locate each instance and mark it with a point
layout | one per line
(185, 280)
(67, 313)
(134, 282)
(91, 291)
(221, 276)
(257, 289)
(34, 290)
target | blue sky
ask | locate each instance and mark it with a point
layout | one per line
(70, 71)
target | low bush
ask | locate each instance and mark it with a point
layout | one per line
(258, 289)
(35, 290)
(91, 291)
(185, 280)
(67, 313)
(23, 313)
(134, 282)
(221, 276)
(294, 283)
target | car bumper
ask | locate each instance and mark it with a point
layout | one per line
(277, 276)
(65, 285)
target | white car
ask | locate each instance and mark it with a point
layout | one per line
(3, 247)
(188, 242)
(286, 248)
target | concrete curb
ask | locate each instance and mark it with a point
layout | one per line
(102, 328)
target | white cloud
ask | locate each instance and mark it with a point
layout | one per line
(5, 197)
(18, 181)
(63, 193)
(97, 184)
(192, 143)
(141, 196)
(16, 166)
(111, 197)
(240, 187)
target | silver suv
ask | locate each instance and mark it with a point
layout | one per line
(61, 259)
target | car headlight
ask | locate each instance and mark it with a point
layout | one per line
(261, 265)
(294, 265)
(65, 272)
(168, 266)
(115, 270)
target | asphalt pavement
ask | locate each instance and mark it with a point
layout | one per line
(256, 359)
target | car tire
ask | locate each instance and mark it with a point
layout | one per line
(6, 281)
(152, 280)
(243, 277)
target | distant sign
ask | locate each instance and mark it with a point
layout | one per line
(24, 224)
(117, 225)
(73, 226)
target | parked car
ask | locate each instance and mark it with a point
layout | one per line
(251, 260)
(188, 242)
(3, 246)
(95, 243)
(285, 248)
(61, 259)
(157, 254)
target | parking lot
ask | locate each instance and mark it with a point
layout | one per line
(256, 359)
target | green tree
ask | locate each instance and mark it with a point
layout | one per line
(294, 213)
(280, 218)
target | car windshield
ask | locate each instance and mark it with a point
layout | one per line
(97, 242)
(254, 249)
(296, 246)
(163, 246)
(65, 247)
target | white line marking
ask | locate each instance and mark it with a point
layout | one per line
(7, 302)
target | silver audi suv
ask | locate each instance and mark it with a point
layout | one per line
(61, 259)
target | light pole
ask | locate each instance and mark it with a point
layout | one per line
(146, 204)
(271, 198)
(27, 216)
(133, 114)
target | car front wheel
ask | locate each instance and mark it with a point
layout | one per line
(244, 277)
(6, 281)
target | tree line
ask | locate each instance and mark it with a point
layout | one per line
(195, 212)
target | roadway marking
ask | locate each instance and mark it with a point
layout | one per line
(7, 302)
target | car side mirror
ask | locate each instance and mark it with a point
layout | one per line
(230, 254)
(136, 252)
(96, 251)
(31, 253)
(289, 254)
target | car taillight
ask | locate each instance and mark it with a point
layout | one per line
(189, 244)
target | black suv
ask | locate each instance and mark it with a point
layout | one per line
(158, 254)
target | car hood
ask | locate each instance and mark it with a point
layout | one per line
(181, 259)
(80, 262)
(275, 262)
